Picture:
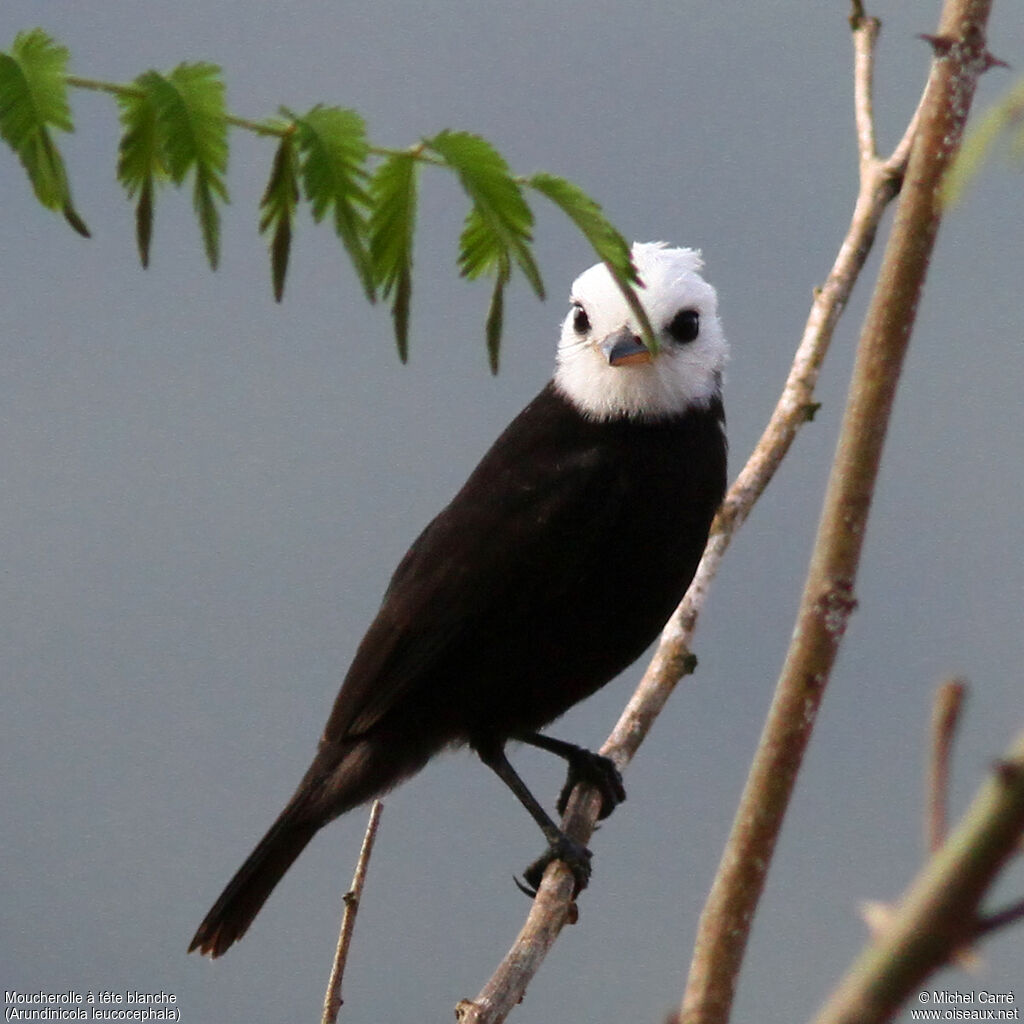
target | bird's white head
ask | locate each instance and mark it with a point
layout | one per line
(603, 368)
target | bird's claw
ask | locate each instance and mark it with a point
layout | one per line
(574, 855)
(600, 772)
(525, 889)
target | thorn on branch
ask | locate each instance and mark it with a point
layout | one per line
(877, 914)
(993, 62)
(943, 46)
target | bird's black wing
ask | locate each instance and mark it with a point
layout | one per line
(524, 509)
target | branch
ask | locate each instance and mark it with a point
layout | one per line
(119, 89)
(939, 914)
(1001, 919)
(865, 36)
(332, 997)
(880, 183)
(949, 703)
(828, 598)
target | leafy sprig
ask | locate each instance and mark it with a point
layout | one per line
(279, 202)
(175, 129)
(33, 98)
(333, 152)
(392, 220)
(175, 124)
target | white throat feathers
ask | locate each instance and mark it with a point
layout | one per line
(603, 368)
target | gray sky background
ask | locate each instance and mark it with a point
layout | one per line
(204, 493)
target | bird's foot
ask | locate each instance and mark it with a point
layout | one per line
(574, 855)
(598, 771)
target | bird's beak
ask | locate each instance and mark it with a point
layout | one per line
(623, 348)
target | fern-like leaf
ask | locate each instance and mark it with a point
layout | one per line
(206, 186)
(612, 249)
(140, 161)
(278, 205)
(496, 314)
(392, 223)
(500, 221)
(179, 123)
(33, 96)
(333, 151)
(197, 136)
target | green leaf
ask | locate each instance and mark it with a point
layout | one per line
(72, 217)
(333, 148)
(191, 121)
(500, 222)
(140, 164)
(33, 96)
(392, 222)
(175, 124)
(278, 205)
(496, 314)
(192, 115)
(209, 217)
(612, 249)
(34, 90)
(586, 214)
(482, 249)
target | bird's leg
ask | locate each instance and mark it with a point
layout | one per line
(584, 766)
(560, 846)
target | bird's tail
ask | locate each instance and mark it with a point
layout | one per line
(343, 775)
(229, 918)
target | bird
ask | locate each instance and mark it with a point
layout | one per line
(549, 573)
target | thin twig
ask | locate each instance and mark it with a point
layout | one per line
(673, 658)
(118, 89)
(865, 35)
(866, 31)
(938, 915)
(949, 701)
(999, 919)
(551, 910)
(332, 998)
(274, 128)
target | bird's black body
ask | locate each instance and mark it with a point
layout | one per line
(551, 571)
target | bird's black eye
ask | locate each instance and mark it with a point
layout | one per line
(580, 320)
(685, 325)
